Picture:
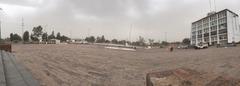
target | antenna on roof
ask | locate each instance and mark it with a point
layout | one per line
(215, 8)
(212, 10)
(210, 5)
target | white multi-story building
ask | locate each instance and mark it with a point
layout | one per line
(216, 28)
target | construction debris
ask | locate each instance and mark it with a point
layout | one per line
(188, 77)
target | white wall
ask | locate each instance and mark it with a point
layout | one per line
(233, 28)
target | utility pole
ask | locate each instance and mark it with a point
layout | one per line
(22, 27)
(71, 34)
(130, 33)
(166, 36)
(0, 23)
(210, 4)
(89, 31)
(45, 30)
(0, 29)
(215, 7)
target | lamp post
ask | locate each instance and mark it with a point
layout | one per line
(0, 24)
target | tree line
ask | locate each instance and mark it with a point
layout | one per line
(37, 35)
(141, 41)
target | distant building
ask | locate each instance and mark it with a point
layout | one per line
(216, 28)
(54, 41)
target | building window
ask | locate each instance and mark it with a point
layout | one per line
(222, 14)
(222, 20)
(223, 26)
(214, 33)
(206, 34)
(222, 31)
(206, 20)
(213, 28)
(223, 37)
(206, 30)
(206, 39)
(213, 23)
(213, 17)
(200, 32)
(214, 38)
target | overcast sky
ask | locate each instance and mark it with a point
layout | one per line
(158, 19)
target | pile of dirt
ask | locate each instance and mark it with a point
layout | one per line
(224, 81)
(188, 77)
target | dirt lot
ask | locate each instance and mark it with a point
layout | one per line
(88, 65)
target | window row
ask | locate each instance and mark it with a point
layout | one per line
(222, 20)
(213, 28)
(222, 14)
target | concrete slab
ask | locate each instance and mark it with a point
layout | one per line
(26, 75)
(2, 75)
(13, 77)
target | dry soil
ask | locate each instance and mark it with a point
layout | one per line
(90, 65)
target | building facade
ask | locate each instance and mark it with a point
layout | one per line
(216, 28)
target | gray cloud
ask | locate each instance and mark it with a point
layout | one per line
(112, 18)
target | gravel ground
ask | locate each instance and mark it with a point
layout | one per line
(89, 65)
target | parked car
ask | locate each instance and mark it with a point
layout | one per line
(201, 46)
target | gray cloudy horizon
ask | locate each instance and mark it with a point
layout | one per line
(112, 18)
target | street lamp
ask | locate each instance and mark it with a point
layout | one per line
(0, 24)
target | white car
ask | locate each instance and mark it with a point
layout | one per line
(201, 46)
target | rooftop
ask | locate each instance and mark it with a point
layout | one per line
(216, 13)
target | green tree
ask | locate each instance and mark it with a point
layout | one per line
(58, 36)
(90, 39)
(141, 41)
(37, 31)
(151, 41)
(101, 39)
(186, 41)
(11, 37)
(26, 36)
(107, 41)
(16, 38)
(122, 42)
(98, 40)
(165, 43)
(114, 41)
(64, 38)
(45, 37)
(33, 38)
(52, 36)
